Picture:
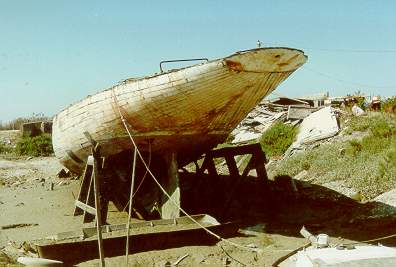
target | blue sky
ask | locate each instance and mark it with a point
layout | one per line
(53, 53)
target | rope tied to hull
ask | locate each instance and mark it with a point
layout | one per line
(134, 145)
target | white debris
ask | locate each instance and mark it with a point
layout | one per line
(257, 122)
(244, 136)
(317, 126)
(388, 198)
(357, 111)
(339, 256)
(386, 203)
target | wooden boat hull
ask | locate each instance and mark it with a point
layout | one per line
(187, 111)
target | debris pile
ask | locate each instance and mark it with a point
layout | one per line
(257, 122)
(318, 115)
(282, 109)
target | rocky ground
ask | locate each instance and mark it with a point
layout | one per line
(35, 203)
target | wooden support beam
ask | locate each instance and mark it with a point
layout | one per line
(85, 207)
(209, 165)
(84, 188)
(90, 200)
(256, 162)
(231, 164)
(95, 175)
(170, 207)
(97, 163)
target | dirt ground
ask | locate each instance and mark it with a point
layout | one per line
(27, 198)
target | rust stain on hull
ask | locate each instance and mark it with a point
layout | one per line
(189, 110)
(234, 65)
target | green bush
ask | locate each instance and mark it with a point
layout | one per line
(35, 146)
(276, 140)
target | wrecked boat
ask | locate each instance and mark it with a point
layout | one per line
(187, 111)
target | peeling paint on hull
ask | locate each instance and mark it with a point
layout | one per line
(188, 110)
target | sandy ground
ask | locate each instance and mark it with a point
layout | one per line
(26, 198)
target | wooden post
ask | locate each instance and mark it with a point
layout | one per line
(98, 207)
(97, 163)
(130, 204)
(84, 189)
(170, 207)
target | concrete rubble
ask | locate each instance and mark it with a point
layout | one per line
(357, 111)
(388, 198)
(287, 110)
(257, 122)
(317, 114)
(317, 126)
(320, 125)
(282, 109)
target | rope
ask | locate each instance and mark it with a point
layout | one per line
(141, 182)
(283, 258)
(371, 240)
(145, 174)
(166, 193)
(130, 206)
(225, 252)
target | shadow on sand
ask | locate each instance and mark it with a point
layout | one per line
(285, 208)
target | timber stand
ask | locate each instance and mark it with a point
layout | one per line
(228, 181)
(240, 164)
(85, 203)
(87, 191)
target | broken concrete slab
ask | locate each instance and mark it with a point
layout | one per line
(357, 111)
(245, 136)
(388, 203)
(319, 125)
(257, 122)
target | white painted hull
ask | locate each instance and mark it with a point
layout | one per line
(189, 110)
(359, 256)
